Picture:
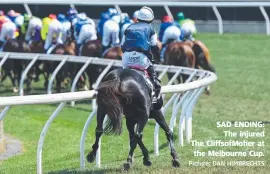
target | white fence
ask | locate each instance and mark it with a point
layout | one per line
(165, 4)
(184, 97)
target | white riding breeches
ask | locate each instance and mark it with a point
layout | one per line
(55, 29)
(172, 32)
(19, 20)
(87, 33)
(189, 28)
(136, 60)
(66, 27)
(33, 24)
(8, 31)
(110, 33)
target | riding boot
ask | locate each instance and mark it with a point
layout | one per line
(77, 49)
(153, 77)
(1, 44)
(104, 48)
(162, 52)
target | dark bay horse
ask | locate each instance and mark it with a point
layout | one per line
(12, 67)
(50, 66)
(202, 56)
(92, 49)
(114, 52)
(125, 91)
(179, 54)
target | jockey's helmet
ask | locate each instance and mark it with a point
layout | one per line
(135, 14)
(82, 16)
(124, 17)
(117, 18)
(180, 16)
(146, 14)
(61, 17)
(72, 11)
(167, 19)
(27, 17)
(2, 13)
(112, 11)
(52, 16)
(12, 13)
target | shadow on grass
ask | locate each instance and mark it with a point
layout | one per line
(77, 171)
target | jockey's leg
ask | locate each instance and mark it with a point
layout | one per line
(48, 41)
(80, 40)
(115, 36)
(153, 77)
(30, 29)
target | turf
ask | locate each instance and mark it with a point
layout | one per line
(240, 93)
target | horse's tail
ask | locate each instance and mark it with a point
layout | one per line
(108, 97)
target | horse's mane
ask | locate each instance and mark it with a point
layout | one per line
(204, 49)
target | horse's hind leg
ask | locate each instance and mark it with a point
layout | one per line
(136, 138)
(158, 116)
(99, 130)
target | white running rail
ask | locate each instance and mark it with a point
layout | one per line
(184, 97)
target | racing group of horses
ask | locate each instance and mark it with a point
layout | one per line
(193, 54)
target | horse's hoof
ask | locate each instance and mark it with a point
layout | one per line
(90, 157)
(127, 166)
(207, 92)
(147, 162)
(175, 163)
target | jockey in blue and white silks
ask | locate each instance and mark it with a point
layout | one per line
(111, 30)
(139, 40)
(104, 17)
(125, 22)
(85, 30)
(66, 25)
(72, 17)
(169, 31)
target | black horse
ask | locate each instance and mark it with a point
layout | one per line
(126, 91)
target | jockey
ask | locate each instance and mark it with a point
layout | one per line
(72, 17)
(135, 16)
(85, 30)
(16, 18)
(31, 27)
(7, 29)
(111, 31)
(66, 25)
(139, 41)
(188, 27)
(169, 31)
(124, 23)
(54, 30)
(45, 25)
(104, 17)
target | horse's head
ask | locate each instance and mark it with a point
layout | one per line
(59, 49)
(12, 45)
(37, 46)
(92, 49)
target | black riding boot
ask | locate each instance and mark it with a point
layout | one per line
(1, 44)
(153, 77)
(77, 49)
(104, 48)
